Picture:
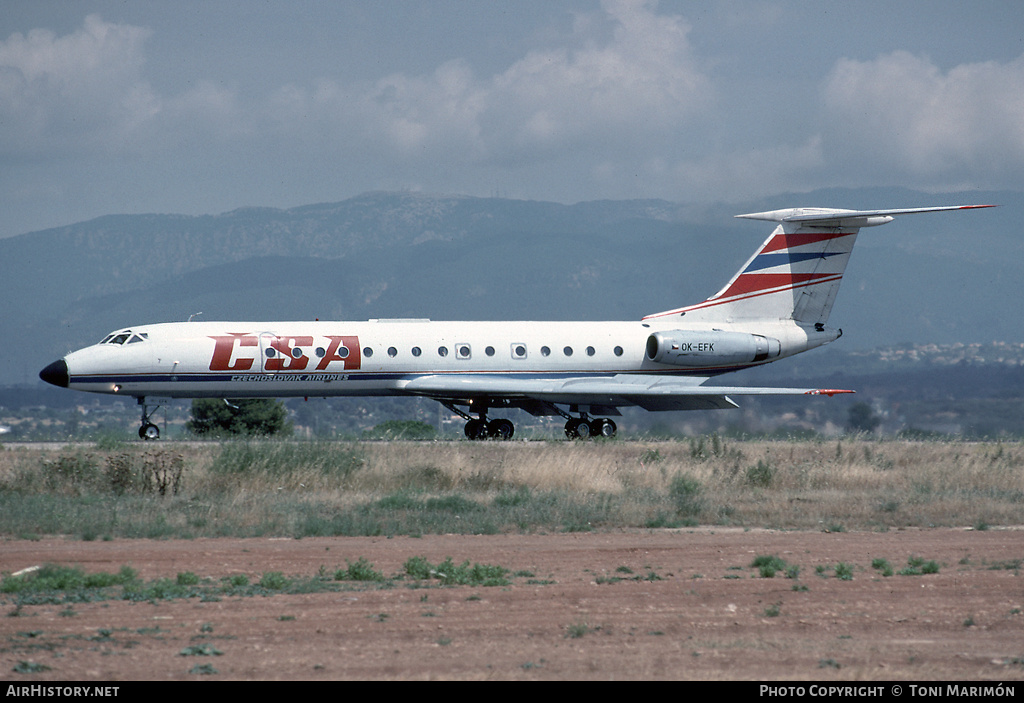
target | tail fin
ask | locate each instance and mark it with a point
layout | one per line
(795, 274)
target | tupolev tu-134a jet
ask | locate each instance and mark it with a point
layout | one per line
(776, 305)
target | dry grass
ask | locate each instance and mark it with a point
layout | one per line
(298, 488)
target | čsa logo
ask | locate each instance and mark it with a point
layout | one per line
(238, 351)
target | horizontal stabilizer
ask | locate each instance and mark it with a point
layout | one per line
(831, 217)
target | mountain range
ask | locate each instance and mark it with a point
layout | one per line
(924, 279)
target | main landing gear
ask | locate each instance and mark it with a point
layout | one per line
(148, 429)
(585, 427)
(482, 428)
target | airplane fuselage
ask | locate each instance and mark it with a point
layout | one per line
(381, 357)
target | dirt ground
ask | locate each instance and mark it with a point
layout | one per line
(690, 606)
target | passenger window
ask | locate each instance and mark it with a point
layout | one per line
(489, 351)
(618, 351)
(567, 351)
(463, 351)
(590, 351)
(442, 351)
(545, 351)
(392, 352)
(518, 351)
(367, 352)
(416, 351)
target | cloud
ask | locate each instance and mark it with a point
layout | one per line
(86, 92)
(964, 125)
(80, 89)
(625, 75)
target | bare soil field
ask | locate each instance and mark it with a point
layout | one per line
(630, 604)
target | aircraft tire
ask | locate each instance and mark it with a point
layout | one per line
(476, 429)
(501, 429)
(583, 429)
(603, 428)
(149, 431)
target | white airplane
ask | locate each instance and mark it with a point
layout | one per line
(775, 306)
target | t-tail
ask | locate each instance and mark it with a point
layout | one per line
(795, 274)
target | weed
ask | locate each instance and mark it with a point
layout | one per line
(760, 475)
(844, 571)
(768, 566)
(360, 570)
(828, 663)
(917, 566)
(29, 667)
(577, 630)
(274, 581)
(187, 578)
(685, 493)
(882, 566)
(773, 611)
(200, 650)
(450, 574)
(203, 669)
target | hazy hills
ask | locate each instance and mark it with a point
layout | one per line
(938, 278)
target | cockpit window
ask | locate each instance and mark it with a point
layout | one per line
(125, 336)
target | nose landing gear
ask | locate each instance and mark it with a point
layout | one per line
(148, 430)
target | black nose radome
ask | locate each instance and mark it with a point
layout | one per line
(56, 373)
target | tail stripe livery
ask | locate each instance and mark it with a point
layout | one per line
(790, 277)
(795, 274)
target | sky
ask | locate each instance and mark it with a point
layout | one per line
(204, 106)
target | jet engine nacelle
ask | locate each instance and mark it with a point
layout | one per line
(710, 348)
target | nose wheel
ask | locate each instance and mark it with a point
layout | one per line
(148, 429)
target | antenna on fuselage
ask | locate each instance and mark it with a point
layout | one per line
(195, 314)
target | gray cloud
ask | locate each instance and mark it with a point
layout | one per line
(628, 98)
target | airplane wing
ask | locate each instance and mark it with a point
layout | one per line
(646, 391)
